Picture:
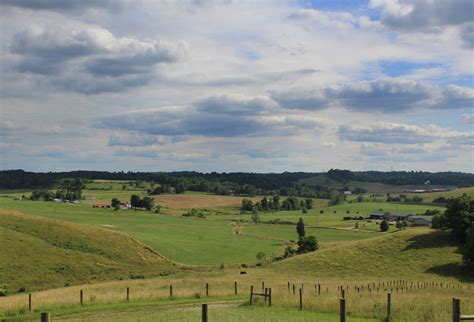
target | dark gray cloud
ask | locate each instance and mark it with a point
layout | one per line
(89, 59)
(380, 95)
(425, 14)
(389, 96)
(65, 5)
(456, 97)
(304, 100)
(218, 116)
(236, 105)
(467, 35)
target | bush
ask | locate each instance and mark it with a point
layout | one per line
(437, 222)
(307, 244)
(384, 226)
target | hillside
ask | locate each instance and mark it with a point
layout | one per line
(410, 254)
(52, 253)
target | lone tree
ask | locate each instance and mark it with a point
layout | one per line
(383, 226)
(135, 201)
(148, 203)
(307, 244)
(300, 228)
(115, 203)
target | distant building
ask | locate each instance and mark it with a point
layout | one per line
(347, 193)
(420, 220)
(377, 215)
(396, 217)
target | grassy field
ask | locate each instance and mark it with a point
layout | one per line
(417, 256)
(51, 253)
(52, 245)
(191, 241)
(414, 253)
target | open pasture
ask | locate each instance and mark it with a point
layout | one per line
(366, 299)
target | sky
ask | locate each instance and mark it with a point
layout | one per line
(257, 86)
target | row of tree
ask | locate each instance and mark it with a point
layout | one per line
(69, 189)
(274, 204)
(147, 202)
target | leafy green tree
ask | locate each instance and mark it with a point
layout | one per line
(255, 217)
(135, 201)
(115, 202)
(405, 224)
(300, 228)
(468, 253)
(335, 198)
(307, 244)
(384, 226)
(148, 203)
(437, 221)
(309, 203)
(247, 205)
(459, 217)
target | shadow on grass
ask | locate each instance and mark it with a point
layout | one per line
(455, 270)
(440, 239)
(432, 239)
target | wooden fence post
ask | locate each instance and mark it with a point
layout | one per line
(319, 289)
(294, 289)
(235, 288)
(45, 317)
(29, 302)
(171, 290)
(204, 313)
(343, 294)
(207, 289)
(270, 297)
(81, 297)
(265, 294)
(342, 310)
(128, 293)
(456, 310)
(301, 299)
(389, 305)
(263, 286)
(251, 295)
(288, 287)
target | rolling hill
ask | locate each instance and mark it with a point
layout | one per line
(40, 253)
(414, 253)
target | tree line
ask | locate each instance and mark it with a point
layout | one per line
(274, 204)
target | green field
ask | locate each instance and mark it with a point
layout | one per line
(51, 244)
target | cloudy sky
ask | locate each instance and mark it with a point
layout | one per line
(264, 86)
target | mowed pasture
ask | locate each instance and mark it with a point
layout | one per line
(198, 201)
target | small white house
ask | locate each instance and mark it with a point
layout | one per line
(347, 193)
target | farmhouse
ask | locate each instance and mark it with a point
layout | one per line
(420, 220)
(396, 217)
(377, 215)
